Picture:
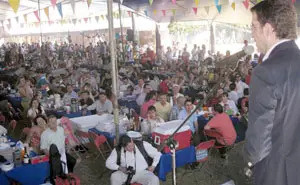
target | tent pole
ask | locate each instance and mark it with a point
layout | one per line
(212, 37)
(41, 35)
(113, 64)
(122, 36)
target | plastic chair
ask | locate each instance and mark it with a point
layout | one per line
(202, 157)
(215, 134)
(84, 138)
(100, 140)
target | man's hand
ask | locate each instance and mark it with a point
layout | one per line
(123, 169)
(151, 168)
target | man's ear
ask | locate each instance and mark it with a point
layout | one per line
(268, 29)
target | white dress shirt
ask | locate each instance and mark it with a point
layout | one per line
(137, 160)
(233, 95)
(240, 88)
(107, 106)
(232, 106)
(49, 137)
(141, 99)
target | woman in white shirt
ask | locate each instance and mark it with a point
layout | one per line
(151, 122)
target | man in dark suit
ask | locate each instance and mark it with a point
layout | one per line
(273, 135)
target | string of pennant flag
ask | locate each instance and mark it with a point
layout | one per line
(15, 6)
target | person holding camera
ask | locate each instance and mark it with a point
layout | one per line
(133, 162)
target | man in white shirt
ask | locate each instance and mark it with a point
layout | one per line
(69, 95)
(102, 105)
(138, 89)
(240, 85)
(131, 155)
(233, 95)
(55, 135)
(141, 98)
(226, 102)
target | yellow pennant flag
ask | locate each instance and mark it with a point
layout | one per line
(196, 2)
(233, 5)
(89, 2)
(259, 1)
(46, 10)
(154, 12)
(14, 4)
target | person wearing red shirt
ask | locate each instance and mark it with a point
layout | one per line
(248, 77)
(222, 123)
(163, 86)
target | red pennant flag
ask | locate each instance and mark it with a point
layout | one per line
(85, 19)
(129, 13)
(164, 12)
(293, 1)
(195, 10)
(246, 4)
(36, 13)
(174, 1)
(53, 3)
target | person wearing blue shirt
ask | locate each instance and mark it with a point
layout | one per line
(192, 122)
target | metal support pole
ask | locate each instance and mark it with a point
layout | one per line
(121, 28)
(41, 34)
(113, 64)
(173, 151)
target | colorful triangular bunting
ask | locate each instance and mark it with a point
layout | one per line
(219, 7)
(46, 10)
(53, 3)
(195, 9)
(150, 2)
(206, 9)
(59, 8)
(246, 4)
(233, 5)
(14, 4)
(173, 11)
(36, 13)
(97, 18)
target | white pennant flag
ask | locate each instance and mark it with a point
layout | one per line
(73, 5)
(121, 1)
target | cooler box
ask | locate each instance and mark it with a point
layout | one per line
(85, 123)
(162, 133)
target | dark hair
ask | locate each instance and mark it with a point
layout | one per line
(146, 84)
(39, 106)
(225, 94)
(39, 116)
(151, 108)
(246, 91)
(124, 140)
(82, 92)
(188, 100)
(218, 108)
(232, 86)
(150, 95)
(51, 116)
(281, 14)
(102, 93)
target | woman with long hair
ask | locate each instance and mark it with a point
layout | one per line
(34, 136)
(35, 109)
